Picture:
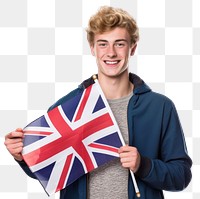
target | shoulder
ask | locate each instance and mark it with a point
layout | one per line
(66, 97)
(158, 97)
(154, 101)
(74, 92)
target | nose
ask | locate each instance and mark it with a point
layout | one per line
(111, 52)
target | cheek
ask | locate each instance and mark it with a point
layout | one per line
(99, 54)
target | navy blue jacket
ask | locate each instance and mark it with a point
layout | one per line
(155, 130)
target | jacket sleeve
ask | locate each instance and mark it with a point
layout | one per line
(26, 169)
(171, 171)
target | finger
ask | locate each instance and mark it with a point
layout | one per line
(126, 159)
(131, 164)
(13, 138)
(16, 140)
(16, 145)
(15, 148)
(12, 146)
(121, 149)
(13, 141)
(19, 130)
(123, 155)
(127, 165)
(126, 148)
(15, 151)
(126, 151)
(128, 156)
(15, 134)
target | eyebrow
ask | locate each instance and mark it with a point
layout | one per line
(118, 40)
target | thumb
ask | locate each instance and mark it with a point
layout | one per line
(19, 130)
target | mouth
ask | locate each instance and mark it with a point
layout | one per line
(111, 62)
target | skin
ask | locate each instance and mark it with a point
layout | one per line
(112, 51)
(14, 143)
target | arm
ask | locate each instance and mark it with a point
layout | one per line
(171, 170)
(14, 144)
(163, 163)
(14, 140)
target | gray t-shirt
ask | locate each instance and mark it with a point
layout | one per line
(111, 179)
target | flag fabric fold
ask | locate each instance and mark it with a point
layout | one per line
(72, 140)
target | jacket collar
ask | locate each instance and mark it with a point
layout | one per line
(140, 86)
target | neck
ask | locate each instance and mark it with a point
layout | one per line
(115, 87)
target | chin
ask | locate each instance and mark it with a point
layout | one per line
(113, 74)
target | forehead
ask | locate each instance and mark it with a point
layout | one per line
(113, 35)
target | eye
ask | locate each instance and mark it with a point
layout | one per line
(120, 45)
(102, 44)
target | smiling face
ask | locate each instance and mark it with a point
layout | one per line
(112, 51)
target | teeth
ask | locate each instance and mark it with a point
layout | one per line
(111, 62)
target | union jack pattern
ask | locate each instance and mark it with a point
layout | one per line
(71, 140)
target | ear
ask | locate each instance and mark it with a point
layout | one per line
(133, 48)
(92, 50)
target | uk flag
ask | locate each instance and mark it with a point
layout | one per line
(71, 140)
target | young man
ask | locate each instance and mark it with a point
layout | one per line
(155, 148)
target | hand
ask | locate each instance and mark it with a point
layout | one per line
(14, 143)
(129, 157)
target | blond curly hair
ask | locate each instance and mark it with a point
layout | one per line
(107, 18)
